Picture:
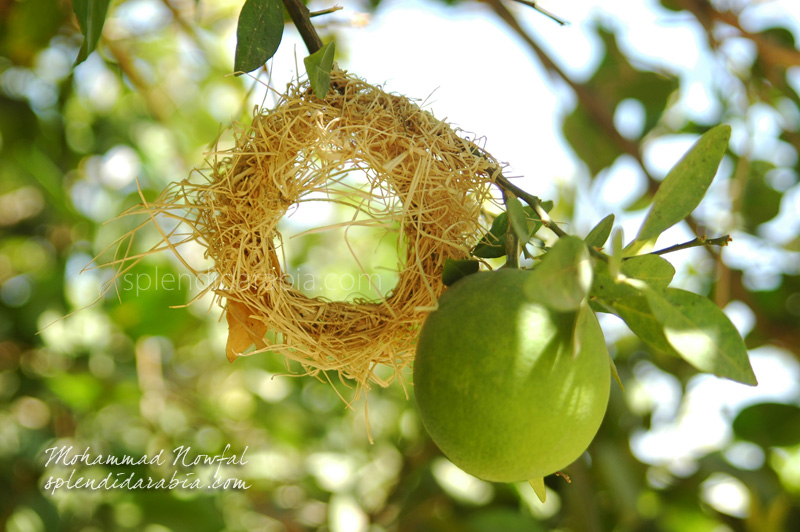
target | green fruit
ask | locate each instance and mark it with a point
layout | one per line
(497, 382)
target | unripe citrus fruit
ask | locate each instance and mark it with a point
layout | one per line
(498, 384)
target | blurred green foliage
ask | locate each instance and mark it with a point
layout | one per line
(134, 376)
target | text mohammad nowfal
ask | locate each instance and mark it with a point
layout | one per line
(66, 456)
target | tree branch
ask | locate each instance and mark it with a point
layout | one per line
(328, 11)
(158, 102)
(593, 103)
(543, 11)
(697, 242)
(302, 20)
(533, 201)
(536, 204)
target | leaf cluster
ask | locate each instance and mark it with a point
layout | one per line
(630, 282)
(258, 36)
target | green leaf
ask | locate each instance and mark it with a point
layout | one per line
(456, 269)
(258, 34)
(589, 142)
(615, 259)
(518, 218)
(26, 28)
(769, 424)
(582, 319)
(91, 16)
(598, 236)
(701, 333)
(652, 269)
(539, 488)
(496, 518)
(563, 279)
(637, 315)
(615, 373)
(79, 391)
(616, 80)
(318, 68)
(683, 188)
(760, 202)
(493, 243)
(606, 286)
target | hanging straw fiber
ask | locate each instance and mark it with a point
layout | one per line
(421, 173)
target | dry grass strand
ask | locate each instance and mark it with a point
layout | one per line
(421, 172)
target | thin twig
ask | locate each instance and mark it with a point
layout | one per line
(158, 102)
(187, 28)
(533, 201)
(544, 12)
(536, 204)
(324, 11)
(697, 242)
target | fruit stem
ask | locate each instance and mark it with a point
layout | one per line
(507, 186)
(534, 201)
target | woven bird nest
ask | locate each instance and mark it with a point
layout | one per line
(427, 177)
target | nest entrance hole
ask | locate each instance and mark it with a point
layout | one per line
(344, 243)
(383, 165)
